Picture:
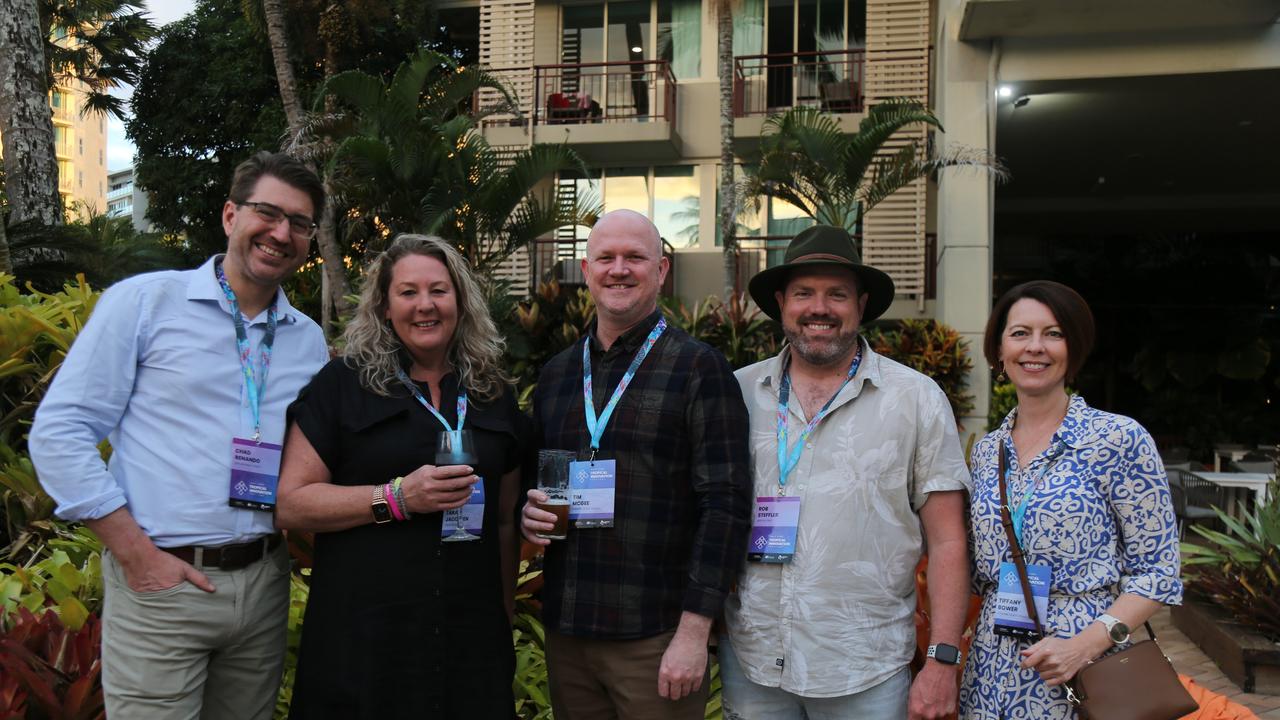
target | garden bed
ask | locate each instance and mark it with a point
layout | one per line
(1248, 659)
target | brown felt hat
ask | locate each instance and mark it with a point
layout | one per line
(822, 245)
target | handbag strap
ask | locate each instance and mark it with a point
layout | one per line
(1015, 548)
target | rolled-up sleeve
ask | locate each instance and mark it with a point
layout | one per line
(721, 477)
(85, 402)
(1140, 500)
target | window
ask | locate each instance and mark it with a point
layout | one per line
(82, 146)
(81, 179)
(669, 195)
(634, 31)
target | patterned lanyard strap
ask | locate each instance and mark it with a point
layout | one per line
(595, 425)
(788, 458)
(1019, 513)
(417, 393)
(256, 387)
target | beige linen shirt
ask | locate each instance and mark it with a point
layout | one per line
(838, 618)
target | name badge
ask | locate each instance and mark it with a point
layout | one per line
(1011, 617)
(591, 492)
(255, 473)
(773, 532)
(469, 517)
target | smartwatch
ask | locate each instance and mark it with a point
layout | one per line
(945, 654)
(381, 510)
(1116, 628)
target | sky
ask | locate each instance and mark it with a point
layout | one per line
(119, 149)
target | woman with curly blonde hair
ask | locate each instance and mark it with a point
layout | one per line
(402, 622)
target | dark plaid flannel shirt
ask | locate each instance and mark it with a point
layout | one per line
(682, 507)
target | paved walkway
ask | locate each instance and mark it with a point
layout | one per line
(1189, 660)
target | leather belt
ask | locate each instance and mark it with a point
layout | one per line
(226, 557)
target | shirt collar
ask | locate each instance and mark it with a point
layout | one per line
(631, 340)
(868, 371)
(204, 286)
(1071, 433)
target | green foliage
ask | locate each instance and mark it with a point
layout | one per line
(104, 249)
(835, 177)
(299, 591)
(100, 43)
(48, 670)
(409, 159)
(1003, 400)
(206, 100)
(1239, 570)
(67, 580)
(934, 349)
(734, 327)
(549, 321)
(36, 330)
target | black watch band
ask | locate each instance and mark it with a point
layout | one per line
(945, 654)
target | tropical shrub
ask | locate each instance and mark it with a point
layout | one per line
(934, 349)
(1239, 569)
(48, 669)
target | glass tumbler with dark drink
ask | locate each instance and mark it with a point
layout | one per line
(553, 481)
(456, 448)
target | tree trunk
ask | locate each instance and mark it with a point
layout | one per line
(278, 35)
(333, 286)
(724, 70)
(26, 122)
(6, 264)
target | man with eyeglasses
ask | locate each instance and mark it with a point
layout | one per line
(172, 368)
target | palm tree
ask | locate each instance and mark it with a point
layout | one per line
(334, 287)
(410, 159)
(100, 43)
(26, 121)
(727, 209)
(835, 177)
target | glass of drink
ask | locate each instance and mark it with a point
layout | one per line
(456, 448)
(553, 480)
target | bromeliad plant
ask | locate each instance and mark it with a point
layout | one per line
(1239, 570)
(934, 349)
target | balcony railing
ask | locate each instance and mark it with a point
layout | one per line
(831, 80)
(620, 91)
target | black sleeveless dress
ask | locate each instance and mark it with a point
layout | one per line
(398, 623)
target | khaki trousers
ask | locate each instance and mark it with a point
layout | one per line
(183, 654)
(615, 680)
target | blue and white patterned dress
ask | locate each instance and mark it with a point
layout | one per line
(1102, 520)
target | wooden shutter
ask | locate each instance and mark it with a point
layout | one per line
(506, 45)
(893, 233)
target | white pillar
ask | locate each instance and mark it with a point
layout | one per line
(965, 92)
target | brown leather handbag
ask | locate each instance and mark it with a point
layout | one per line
(1137, 683)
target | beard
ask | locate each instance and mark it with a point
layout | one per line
(820, 353)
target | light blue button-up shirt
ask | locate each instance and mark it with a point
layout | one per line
(156, 370)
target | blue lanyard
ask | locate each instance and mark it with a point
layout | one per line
(256, 387)
(1019, 513)
(596, 426)
(788, 459)
(462, 403)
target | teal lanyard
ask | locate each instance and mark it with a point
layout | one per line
(789, 458)
(1019, 513)
(462, 403)
(595, 425)
(256, 387)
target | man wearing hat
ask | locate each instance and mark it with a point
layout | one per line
(857, 466)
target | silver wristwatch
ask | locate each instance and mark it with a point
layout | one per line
(1116, 628)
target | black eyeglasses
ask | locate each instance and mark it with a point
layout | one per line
(301, 227)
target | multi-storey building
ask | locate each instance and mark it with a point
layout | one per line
(1071, 95)
(80, 145)
(125, 199)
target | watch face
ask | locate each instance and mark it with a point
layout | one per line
(1119, 632)
(947, 654)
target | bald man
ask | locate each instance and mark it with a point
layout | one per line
(660, 494)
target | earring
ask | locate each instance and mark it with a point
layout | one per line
(1001, 377)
